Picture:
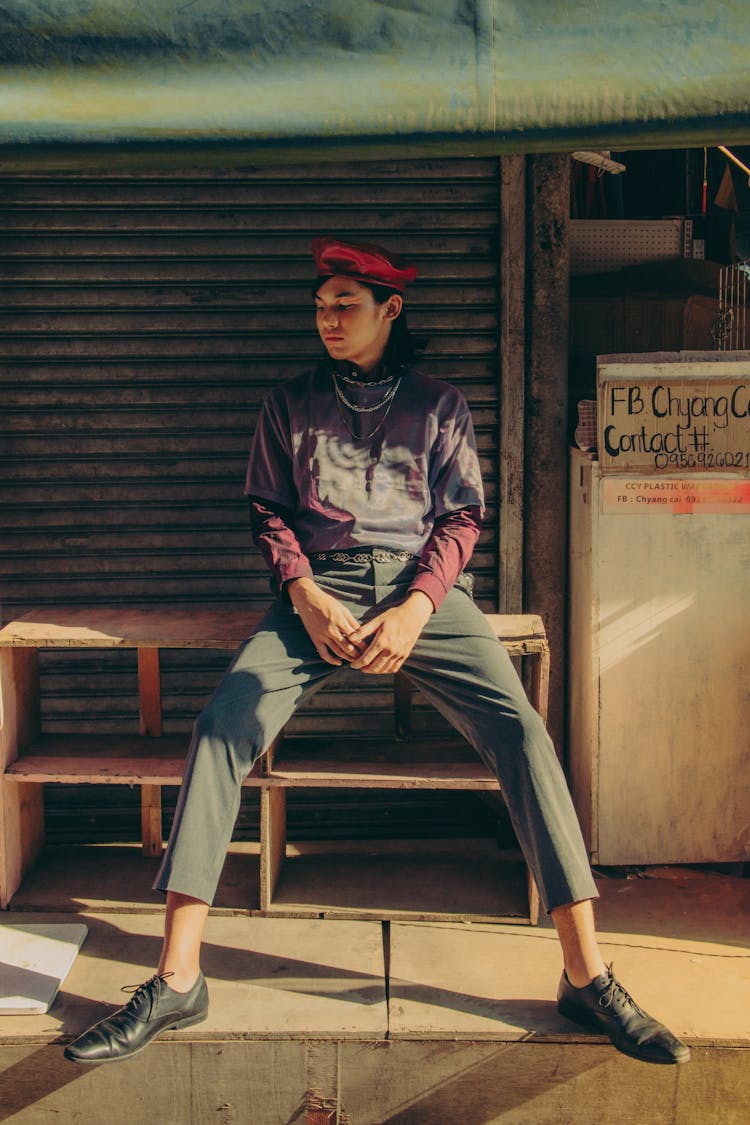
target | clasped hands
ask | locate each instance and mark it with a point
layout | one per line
(379, 646)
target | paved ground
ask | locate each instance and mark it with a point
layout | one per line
(678, 938)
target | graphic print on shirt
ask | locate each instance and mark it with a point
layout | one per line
(347, 481)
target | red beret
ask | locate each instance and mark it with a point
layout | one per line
(363, 261)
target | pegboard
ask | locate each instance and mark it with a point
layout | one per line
(602, 245)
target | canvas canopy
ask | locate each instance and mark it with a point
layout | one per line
(478, 75)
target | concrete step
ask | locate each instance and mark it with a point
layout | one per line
(404, 1022)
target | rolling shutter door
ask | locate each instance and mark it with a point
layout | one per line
(144, 318)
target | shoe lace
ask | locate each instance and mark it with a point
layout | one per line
(150, 988)
(615, 993)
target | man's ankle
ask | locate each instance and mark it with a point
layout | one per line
(581, 978)
(179, 979)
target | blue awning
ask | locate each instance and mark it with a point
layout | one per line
(478, 75)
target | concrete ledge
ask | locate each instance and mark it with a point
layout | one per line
(272, 1082)
(409, 1023)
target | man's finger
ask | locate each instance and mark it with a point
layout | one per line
(347, 647)
(365, 630)
(328, 655)
(367, 660)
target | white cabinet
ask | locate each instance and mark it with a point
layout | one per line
(659, 655)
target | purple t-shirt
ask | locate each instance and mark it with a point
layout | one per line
(421, 465)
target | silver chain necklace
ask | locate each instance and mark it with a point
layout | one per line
(363, 382)
(366, 409)
(387, 401)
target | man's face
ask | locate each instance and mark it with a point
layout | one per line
(352, 325)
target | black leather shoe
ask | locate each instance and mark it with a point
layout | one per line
(606, 1006)
(154, 1007)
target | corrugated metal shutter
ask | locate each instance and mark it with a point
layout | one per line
(144, 317)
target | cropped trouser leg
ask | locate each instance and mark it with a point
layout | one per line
(274, 672)
(459, 666)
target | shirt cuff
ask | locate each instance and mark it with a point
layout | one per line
(431, 586)
(300, 568)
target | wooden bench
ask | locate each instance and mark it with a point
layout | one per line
(152, 760)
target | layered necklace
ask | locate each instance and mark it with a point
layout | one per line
(386, 402)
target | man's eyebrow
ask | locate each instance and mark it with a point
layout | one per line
(343, 293)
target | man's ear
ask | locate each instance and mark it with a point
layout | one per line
(393, 306)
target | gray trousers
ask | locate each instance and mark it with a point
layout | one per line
(457, 664)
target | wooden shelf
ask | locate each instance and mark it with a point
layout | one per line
(193, 627)
(362, 879)
(115, 759)
(379, 765)
(420, 880)
(118, 878)
(302, 763)
(284, 884)
(158, 627)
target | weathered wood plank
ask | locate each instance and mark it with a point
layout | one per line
(116, 759)
(468, 880)
(546, 428)
(376, 763)
(402, 706)
(512, 379)
(149, 692)
(534, 900)
(118, 878)
(21, 805)
(181, 627)
(102, 627)
(151, 833)
(19, 713)
(272, 842)
(539, 690)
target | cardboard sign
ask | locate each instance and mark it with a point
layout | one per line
(667, 418)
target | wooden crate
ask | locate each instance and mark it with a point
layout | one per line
(151, 759)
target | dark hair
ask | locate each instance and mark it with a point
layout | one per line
(403, 346)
